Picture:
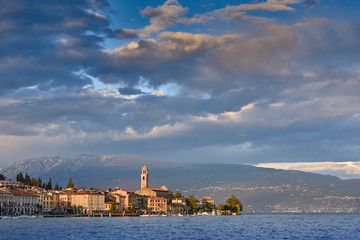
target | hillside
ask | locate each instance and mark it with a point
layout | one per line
(260, 189)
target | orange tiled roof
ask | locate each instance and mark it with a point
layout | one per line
(158, 189)
(23, 193)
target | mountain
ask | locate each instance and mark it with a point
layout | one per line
(260, 189)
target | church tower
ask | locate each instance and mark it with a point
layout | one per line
(144, 177)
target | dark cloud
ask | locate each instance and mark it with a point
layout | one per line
(126, 33)
(309, 3)
(46, 43)
(130, 91)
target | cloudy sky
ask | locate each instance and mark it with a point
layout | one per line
(254, 82)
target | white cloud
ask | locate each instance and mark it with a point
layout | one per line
(341, 169)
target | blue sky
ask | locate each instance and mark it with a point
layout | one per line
(253, 82)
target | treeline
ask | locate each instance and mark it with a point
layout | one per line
(36, 182)
(2, 177)
(232, 204)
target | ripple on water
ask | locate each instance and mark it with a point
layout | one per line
(247, 226)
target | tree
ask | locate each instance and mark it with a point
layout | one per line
(70, 183)
(171, 193)
(2, 177)
(57, 186)
(177, 194)
(234, 205)
(49, 185)
(20, 177)
(27, 179)
(34, 182)
(40, 182)
(191, 202)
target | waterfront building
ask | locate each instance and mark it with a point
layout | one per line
(130, 198)
(157, 204)
(153, 198)
(65, 199)
(88, 201)
(6, 199)
(118, 199)
(24, 202)
(50, 201)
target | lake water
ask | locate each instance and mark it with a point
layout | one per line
(247, 226)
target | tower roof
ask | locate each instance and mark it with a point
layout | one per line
(144, 168)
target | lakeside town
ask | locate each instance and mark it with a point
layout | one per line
(35, 199)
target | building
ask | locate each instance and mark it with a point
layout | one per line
(157, 204)
(50, 201)
(178, 205)
(130, 199)
(10, 184)
(65, 199)
(24, 202)
(155, 192)
(153, 196)
(203, 202)
(6, 199)
(144, 177)
(88, 201)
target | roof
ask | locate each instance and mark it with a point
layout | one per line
(158, 189)
(23, 193)
(3, 191)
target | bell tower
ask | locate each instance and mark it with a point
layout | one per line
(144, 177)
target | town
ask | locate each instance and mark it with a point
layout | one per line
(18, 198)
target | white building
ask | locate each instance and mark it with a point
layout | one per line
(6, 198)
(24, 202)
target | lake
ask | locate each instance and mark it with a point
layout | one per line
(246, 226)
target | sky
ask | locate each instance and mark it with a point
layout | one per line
(273, 83)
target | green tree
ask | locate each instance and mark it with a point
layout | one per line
(177, 194)
(20, 177)
(39, 182)
(171, 193)
(234, 205)
(113, 208)
(57, 186)
(34, 182)
(49, 185)
(191, 202)
(2, 177)
(27, 179)
(70, 183)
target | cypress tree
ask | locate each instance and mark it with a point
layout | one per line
(49, 185)
(70, 183)
(27, 179)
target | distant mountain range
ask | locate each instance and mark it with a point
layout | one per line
(259, 189)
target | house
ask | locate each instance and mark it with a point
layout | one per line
(203, 202)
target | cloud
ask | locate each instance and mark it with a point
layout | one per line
(342, 169)
(47, 48)
(240, 84)
(199, 61)
(167, 15)
(130, 91)
(172, 13)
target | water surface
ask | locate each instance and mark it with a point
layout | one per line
(247, 226)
